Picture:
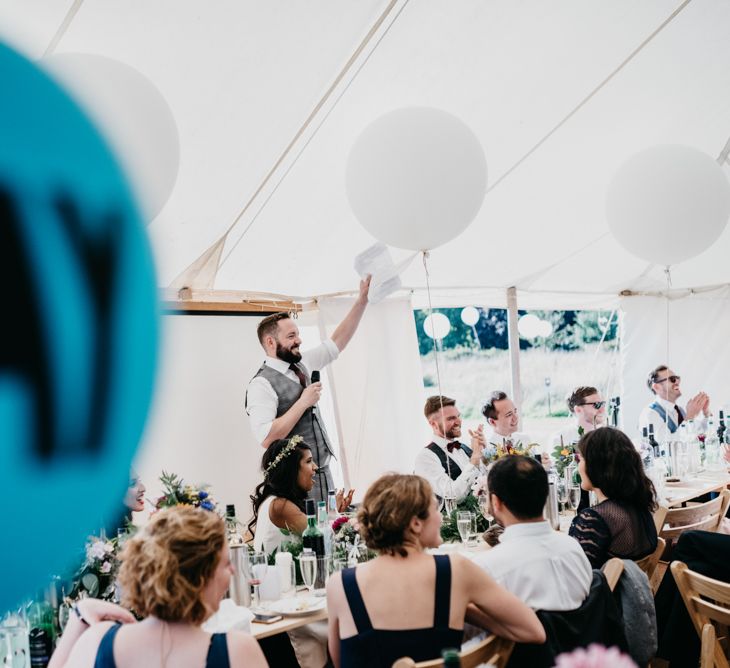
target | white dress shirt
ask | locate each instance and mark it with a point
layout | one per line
(262, 401)
(569, 435)
(661, 431)
(544, 568)
(428, 466)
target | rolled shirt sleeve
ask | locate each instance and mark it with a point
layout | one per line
(428, 466)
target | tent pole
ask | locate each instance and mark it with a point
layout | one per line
(513, 339)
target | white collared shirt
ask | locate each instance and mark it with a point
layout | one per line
(544, 568)
(569, 435)
(262, 401)
(428, 466)
(661, 431)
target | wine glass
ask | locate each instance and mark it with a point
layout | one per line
(449, 505)
(484, 508)
(463, 524)
(255, 569)
(308, 568)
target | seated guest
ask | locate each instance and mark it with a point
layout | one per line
(621, 524)
(588, 408)
(174, 573)
(546, 569)
(448, 464)
(664, 413)
(503, 421)
(704, 552)
(406, 602)
(278, 502)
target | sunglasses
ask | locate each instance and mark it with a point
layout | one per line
(671, 379)
(596, 404)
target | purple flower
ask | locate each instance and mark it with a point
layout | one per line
(338, 523)
(207, 505)
(202, 494)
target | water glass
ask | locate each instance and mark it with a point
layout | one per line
(255, 569)
(14, 648)
(574, 492)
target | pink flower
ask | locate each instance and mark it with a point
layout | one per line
(596, 656)
(338, 523)
(355, 524)
(106, 567)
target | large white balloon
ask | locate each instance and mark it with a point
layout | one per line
(437, 326)
(470, 316)
(667, 204)
(529, 326)
(133, 116)
(416, 178)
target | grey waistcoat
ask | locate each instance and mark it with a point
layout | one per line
(310, 426)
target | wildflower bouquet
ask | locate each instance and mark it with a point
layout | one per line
(495, 451)
(346, 538)
(564, 453)
(177, 493)
(96, 576)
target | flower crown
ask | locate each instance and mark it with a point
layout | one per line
(290, 447)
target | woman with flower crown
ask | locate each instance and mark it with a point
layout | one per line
(278, 502)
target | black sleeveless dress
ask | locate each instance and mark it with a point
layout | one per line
(374, 648)
(217, 651)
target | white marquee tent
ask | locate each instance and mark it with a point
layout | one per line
(270, 96)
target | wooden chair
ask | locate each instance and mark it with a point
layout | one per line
(659, 514)
(494, 651)
(707, 601)
(649, 564)
(705, 516)
(613, 569)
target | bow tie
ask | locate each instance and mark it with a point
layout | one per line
(454, 445)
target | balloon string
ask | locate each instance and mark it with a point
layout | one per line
(668, 274)
(436, 343)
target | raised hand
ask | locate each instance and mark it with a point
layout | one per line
(364, 288)
(343, 500)
(94, 610)
(695, 405)
(478, 443)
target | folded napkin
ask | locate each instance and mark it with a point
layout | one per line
(228, 618)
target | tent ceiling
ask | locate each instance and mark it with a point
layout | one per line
(242, 77)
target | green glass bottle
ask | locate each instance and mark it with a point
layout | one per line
(451, 658)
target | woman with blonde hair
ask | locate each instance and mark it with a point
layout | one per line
(174, 573)
(406, 602)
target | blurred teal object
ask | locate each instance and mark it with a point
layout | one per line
(79, 329)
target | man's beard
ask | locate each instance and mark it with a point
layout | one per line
(287, 355)
(454, 432)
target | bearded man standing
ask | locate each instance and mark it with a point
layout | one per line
(281, 399)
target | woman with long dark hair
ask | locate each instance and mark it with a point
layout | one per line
(278, 502)
(621, 524)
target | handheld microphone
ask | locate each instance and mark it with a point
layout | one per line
(315, 376)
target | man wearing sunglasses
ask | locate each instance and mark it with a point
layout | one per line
(588, 408)
(663, 412)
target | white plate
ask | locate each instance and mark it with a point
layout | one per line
(297, 607)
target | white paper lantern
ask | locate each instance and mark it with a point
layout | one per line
(667, 204)
(470, 316)
(133, 116)
(436, 326)
(416, 178)
(529, 326)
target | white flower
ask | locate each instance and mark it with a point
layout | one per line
(96, 550)
(106, 567)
